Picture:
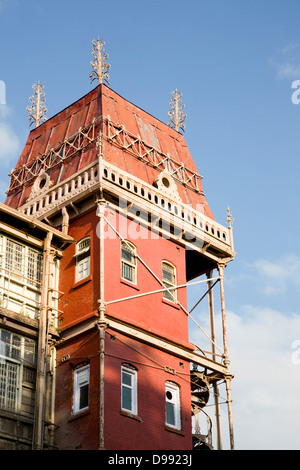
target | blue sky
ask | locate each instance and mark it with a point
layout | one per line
(234, 62)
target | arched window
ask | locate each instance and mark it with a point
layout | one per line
(128, 261)
(129, 388)
(83, 257)
(173, 406)
(169, 281)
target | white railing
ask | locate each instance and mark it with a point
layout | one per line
(61, 193)
(187, 213)
(89, 179)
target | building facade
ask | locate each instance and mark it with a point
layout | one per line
(30, 252)
(123, 186)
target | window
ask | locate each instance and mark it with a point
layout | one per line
(17, 361)
(128, 261)
(14, 257)
(81, 388)
(169, 281)
(24, 261)
(8, 386)
(83, 256)
(35, 266)
(21, 271)
(172, 406)
(129, 389)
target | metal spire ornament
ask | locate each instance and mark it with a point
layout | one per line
(229, 222)
(37, 111)
(229, 219)
(99, 65)
(176, 115)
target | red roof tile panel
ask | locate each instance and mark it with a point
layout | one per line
(100, 104)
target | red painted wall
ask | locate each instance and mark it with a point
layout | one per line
(150, 313)
(145, 431)
(80, 299)
(148, 432)
(80, 431)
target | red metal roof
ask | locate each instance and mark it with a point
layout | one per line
(103, 105)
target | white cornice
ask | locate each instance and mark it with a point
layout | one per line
(186, 221)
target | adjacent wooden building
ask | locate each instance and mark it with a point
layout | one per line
(30, 253)
(120, 193)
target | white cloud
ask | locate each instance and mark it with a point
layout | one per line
(9, 148)
(287, 61)
(267, 381)
(265, 388)
(4, 111)
(3, 187)
(9, 144)
(288, 70)
(276, 275)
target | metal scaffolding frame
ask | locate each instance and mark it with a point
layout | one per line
(115, 134)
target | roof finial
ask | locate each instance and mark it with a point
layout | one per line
(37, 111)
(99, 65)
(177, 117)
(229, 219)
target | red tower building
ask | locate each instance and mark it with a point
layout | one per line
(123, 185)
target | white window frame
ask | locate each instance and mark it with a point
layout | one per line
(16, 353)
(132, 388)
(78, 386)
(172, 402)
(21, 271)
(22, 261)
(127, 265)
(171, 294)
(83, 259)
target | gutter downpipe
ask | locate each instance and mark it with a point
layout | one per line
(213, 350)
(102, 322)
(39, 414)
(65, 221)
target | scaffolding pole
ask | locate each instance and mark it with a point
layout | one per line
(38, 435)
(213, 350)
(102, 323)
(221, 267)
